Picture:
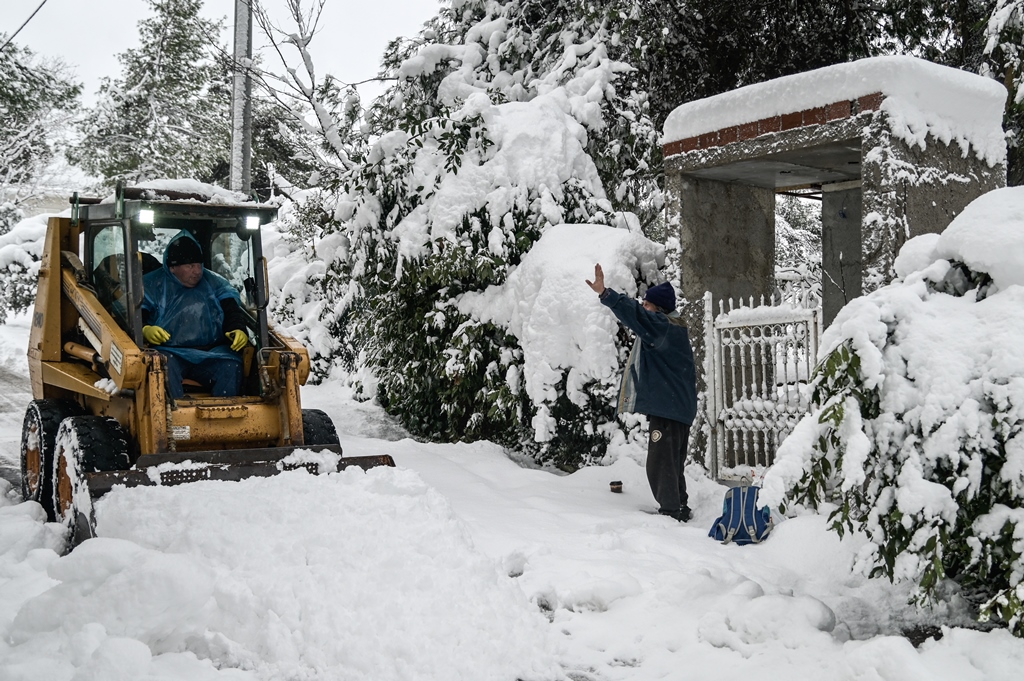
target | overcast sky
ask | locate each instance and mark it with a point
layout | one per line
(88, 34)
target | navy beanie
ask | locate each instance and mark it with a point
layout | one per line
(184, 251)
(663, 296)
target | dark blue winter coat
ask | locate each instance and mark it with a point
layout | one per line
(661, 367)
(193, 316)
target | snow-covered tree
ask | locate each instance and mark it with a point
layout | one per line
(37, 100)
(506, 118)
(414, 204)
(166, 115)
(1004, 51)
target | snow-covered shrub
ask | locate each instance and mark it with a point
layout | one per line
(10, 215)
(294, 248)
(918, 431)
(20, 251)
(570, 347)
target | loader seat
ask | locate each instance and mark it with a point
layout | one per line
(249, 387)
(106, 278)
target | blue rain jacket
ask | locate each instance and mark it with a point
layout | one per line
(660, 378)
(193, 316)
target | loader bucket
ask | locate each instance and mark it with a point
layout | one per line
(236, 464)
(75, 486)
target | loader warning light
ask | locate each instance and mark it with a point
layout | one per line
(146, 216)
(252, 223)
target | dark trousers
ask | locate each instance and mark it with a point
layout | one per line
(222, 376)
(666, 454)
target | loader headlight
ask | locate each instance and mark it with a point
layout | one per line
(146, 216)
(252, 223)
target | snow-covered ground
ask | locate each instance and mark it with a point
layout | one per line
(457, 564)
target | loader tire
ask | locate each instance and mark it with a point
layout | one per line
(318, 428)
(84, 444)
(38, 433)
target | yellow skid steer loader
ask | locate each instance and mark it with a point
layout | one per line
(102, 415)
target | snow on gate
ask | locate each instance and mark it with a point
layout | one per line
(758, 363)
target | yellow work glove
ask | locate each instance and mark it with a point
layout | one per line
(154, 335)
(238, 339)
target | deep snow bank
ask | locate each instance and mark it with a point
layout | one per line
(351, 575)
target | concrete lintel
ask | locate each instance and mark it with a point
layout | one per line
(768, 145)
(841, 186)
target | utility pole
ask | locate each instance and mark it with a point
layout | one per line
(241, 102)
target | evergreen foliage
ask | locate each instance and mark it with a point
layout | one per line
(393, 275)
(10, 215)
(21, 245)
(798, 249)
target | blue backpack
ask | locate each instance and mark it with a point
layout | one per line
(742, 522)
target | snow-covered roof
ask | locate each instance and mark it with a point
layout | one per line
(213, 193)
(920, 98)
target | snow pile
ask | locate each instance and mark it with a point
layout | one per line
(297, 581)
(989, 237)
(13, 342)
(921, 99)
(559, 322)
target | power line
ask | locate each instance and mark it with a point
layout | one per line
(2, 47)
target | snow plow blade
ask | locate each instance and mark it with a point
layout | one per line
(237, 464)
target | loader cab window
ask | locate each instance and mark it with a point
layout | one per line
(108, 255)
(154, 244)
(232, 258)
(224, 253)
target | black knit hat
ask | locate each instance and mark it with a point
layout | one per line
(184, 251)
(663, 296)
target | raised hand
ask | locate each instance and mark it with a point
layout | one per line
(598, 284)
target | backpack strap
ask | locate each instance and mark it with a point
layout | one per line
(751, 501)
(755, 536)
(732, 523)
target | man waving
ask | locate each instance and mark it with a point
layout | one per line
(659, 381)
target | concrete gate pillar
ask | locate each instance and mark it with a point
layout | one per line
(727, 234)
(840, 247)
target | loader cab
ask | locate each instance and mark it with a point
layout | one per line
(125, 240)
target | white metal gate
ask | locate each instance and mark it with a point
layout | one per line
(759, 362)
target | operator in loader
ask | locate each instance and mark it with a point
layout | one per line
(188, 312)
